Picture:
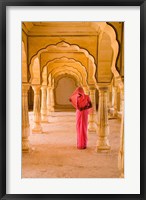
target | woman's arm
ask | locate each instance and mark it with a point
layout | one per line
(78, 98)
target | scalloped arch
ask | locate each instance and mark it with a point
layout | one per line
(64, 46)
(71, 63)
(106, 28)
(71, 70)
(101, 27)
(64, 59)
(66, 71)
(63, 75)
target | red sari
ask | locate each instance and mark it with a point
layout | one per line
(82, 103)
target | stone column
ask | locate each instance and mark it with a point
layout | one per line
(115, 90)
(52, 98)
(25, 119)
(92, 127)
(102, 122)
(121, 149)
(110, 97)
(44, 117)
(36, 110)
(121, 100)
(48, 101)
(118, 99)
(119, 104)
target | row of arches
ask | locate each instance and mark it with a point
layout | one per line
(63, 60)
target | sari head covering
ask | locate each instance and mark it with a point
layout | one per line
(82, 103)
(79, 99)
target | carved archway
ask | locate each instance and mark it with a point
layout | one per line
(66, 47)
(105, 30)
(68, 73)
(62, 64)
(63, 74)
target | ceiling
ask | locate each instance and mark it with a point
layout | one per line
(57, 28)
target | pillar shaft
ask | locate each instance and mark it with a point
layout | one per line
(102, 124)
(52, 98)
(48, 101)
(121, 149)
(110, 98)
(115, 100)
(121, 100)
(44, 104)
(36, 109)
(25, 119)
(92, 116)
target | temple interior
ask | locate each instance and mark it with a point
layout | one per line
(57, 57)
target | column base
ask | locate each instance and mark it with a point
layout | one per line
(25, 146)
(25, 150)
(31, 149)
(37, 129)
(49, 112)
(105, 148)
(113, 112)
(119, 114)
(44, 119)
(92, 127)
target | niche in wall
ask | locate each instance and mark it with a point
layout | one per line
(64, 89)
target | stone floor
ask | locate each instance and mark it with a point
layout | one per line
(54, 153)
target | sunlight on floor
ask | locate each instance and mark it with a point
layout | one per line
(54, 153)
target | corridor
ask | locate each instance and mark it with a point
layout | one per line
(54, 154)
(57, 58)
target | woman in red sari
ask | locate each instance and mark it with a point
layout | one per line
(82, 103)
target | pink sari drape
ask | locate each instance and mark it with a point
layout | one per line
(82, 103)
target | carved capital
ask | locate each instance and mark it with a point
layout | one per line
(36, 89)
